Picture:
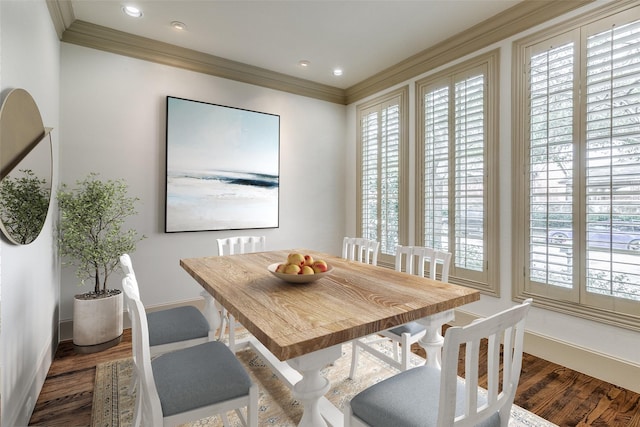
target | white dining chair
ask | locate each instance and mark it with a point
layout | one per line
(172, 328)
(188, 384)
(241, 245)
(360, 249)
(416, 258)
(412, 260)
(232, 246)
(428, 396)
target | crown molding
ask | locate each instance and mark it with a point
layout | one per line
(516, 19)
(512, 21)
(98, 37)
(62, 15)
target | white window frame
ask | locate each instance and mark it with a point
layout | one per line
(574, 300)
(487, 277)
(399, 97)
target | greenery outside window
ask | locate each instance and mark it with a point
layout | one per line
(577, 182)
(457, 203)
(382, 168)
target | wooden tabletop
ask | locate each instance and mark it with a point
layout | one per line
(353, 301)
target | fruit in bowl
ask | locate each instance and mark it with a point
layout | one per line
(296, 259)
(299, 268)
(319, 266)
(307, 270)
(291, 269)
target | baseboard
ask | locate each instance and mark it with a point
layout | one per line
(19, 415)
(598, 365)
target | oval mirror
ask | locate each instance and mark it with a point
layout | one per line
(25, 168)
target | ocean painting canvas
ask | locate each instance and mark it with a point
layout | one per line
(223, 166)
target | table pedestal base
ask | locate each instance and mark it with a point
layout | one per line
(313, 386)
(302, 374)
(433, 340)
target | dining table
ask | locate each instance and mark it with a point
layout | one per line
(299, 328)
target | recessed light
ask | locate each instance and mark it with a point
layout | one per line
(179, 25)
(132, 11)
(337, 72)
(304, 63)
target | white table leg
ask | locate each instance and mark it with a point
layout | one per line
(433, 341)
(313, 386)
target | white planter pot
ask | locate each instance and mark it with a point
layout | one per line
(97, 323)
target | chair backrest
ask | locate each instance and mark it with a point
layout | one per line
(360, 249)
(241, 245)
(126, 265)
(415, 258)
(127, 268)
(506, 327)
(149, 407)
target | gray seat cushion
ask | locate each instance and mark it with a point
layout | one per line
(198, 376)
(176, 324)
(412, 327)
(408, 399)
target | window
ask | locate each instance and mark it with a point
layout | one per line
(577, 193)
(382, 167)
(457, 165)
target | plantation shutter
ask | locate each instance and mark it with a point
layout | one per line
(612, 139)
(436, 167)
(551, 190)
(370, 174)
(469, 188)
(455, 177)
(389, 184)
(577, 193)
(584, 180)
(380, 174)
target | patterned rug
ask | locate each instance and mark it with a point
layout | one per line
(113, 405)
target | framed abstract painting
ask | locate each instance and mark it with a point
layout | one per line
(222, 167)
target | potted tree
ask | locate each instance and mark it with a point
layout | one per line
(91, 238)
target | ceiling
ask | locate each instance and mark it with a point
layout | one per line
(362, 37)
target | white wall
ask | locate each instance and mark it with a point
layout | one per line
(29, 58)
(574, 336)
(113, 122)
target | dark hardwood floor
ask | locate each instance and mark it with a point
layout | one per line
(556, 393)
(67, 394)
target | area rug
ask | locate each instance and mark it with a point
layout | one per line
(113, 405)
